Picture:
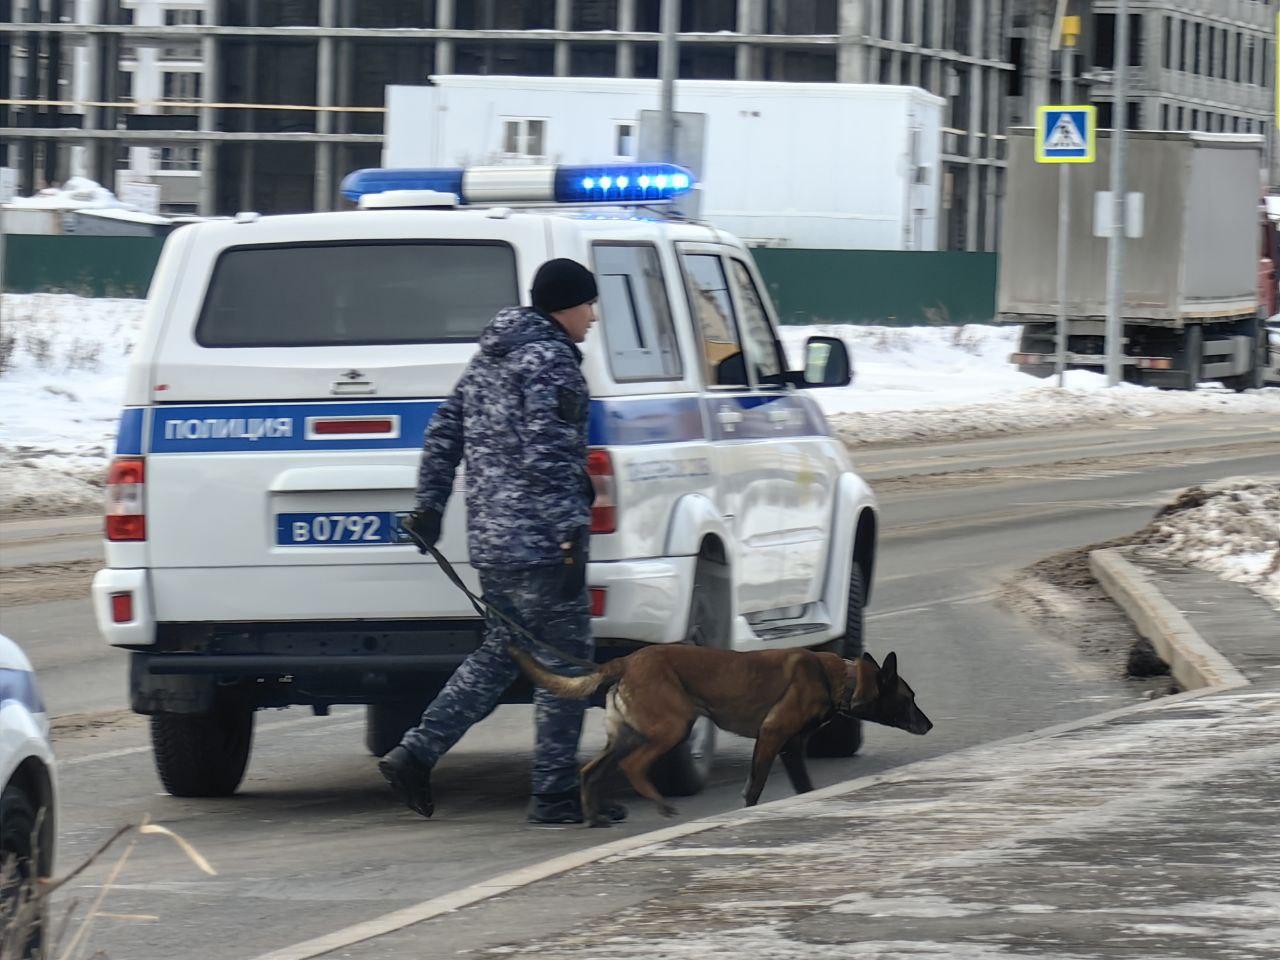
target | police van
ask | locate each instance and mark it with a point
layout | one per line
(274, 414)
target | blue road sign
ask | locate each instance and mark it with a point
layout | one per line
(1066, 134)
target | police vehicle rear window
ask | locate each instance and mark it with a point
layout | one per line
(339, 294)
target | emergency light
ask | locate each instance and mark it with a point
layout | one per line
(598, 183)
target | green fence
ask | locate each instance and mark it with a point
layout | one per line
(808, 286)
(88, 266)
(892, 287)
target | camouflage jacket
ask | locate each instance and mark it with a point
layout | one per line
(517, 420)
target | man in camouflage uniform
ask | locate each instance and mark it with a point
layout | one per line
(518, 418)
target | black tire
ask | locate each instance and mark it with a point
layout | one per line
(386, 723)
(1192, 355)
(18, 819)
(686, 770)
(842, 736)
(203, 754)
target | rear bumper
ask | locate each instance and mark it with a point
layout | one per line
(645, 600)
(319, 664)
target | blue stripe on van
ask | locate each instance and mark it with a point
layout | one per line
(129, 433)
(232, 428)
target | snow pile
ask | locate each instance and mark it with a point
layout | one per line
(956, 382)
(62, 362)
(1230, 527)
(77, 193)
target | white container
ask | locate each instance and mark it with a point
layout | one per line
(819, 165)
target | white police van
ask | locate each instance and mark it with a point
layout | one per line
(274, 413)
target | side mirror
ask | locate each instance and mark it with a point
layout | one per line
(826, 363)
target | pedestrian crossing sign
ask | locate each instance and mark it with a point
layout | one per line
(1066, 134)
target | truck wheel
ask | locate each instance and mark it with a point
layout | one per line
(685, 771)
(1192, 355)
(385, 724)
(18, 819)
(202, 754)
(842, 736)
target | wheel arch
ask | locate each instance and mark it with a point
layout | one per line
(694, 523)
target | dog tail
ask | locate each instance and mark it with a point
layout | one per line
(568, 688)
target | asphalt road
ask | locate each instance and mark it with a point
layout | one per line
(313, 841)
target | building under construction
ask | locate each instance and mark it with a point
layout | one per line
(265, 104)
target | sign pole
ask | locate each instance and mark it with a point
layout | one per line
(668, 67)
(1115, 246)
(1064, 217)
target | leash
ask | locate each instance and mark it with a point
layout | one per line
(484, 608)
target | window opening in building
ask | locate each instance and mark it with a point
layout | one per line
(624, 139)
(523, 137)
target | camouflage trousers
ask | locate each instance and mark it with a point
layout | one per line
(531, 597)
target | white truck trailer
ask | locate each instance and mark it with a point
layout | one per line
(819, 165)
(1190, 306)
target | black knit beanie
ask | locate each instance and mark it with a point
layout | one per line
(560, 284)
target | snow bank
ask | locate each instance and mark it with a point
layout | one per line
(956, 382)
(1230, 527)
(61, 384)
(77, 193)
(62, 362)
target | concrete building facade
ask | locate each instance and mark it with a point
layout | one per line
(265, 104)
(1204, 65)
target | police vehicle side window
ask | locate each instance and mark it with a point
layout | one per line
(635, 314)
(757, 334)
(352, 293)
(712, 308)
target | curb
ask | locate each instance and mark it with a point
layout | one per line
(1194, 662)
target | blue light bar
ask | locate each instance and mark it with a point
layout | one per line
(379, 180)
(599, 183)
(621, 182)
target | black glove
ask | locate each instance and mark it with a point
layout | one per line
(573, 580)
(423, 525)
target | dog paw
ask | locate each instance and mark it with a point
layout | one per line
(600, 820)
(666, 809)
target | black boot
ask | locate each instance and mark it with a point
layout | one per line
(410, 780)
(555, 809)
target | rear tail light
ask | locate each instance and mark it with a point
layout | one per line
(1155, 363)
(597, 601)
(126, 514)
(122, 608)
(604, 512)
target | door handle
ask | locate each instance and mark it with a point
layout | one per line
(728, 417)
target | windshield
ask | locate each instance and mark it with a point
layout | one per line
(334, 294)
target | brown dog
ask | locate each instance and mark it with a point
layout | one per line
(775, 697)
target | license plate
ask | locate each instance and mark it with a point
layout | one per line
(339, 529)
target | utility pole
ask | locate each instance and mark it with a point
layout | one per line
(1115, 247)
(1070, 29)
(668, 65)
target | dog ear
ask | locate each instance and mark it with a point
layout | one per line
(889, 672)
(868, 658)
